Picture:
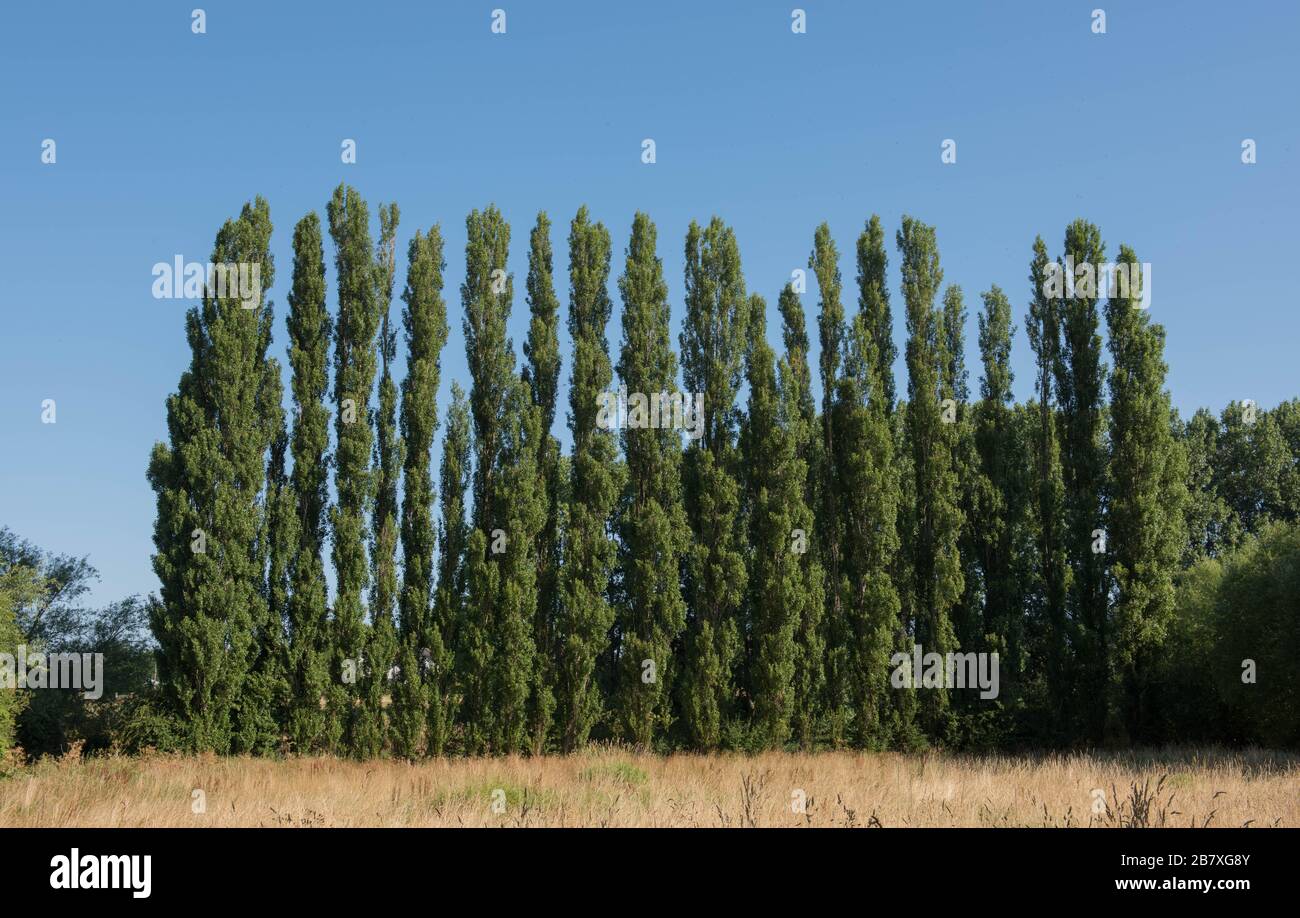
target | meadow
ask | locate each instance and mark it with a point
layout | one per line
(613, 787)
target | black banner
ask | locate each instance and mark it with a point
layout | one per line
(332, 867)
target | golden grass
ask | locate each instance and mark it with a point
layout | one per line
(614, 787)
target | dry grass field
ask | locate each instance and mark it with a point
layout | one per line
(613, 787)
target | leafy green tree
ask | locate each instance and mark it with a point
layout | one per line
(1051, 573)
(713, 342)
(824, 262)
(1080, 378)
(1148, 470)
(20, 585)
(1250, 469)
(1207, 513)
(487, 293)
(585, 612)
(209, 483)
(266, 693)
(542, 374)
(800, 411)
(426, 657)
(386, 466)
(786, 592)
(654, 535)
(870, 497)
(937, 518)
(522, 501)
(449, 613)
(354, 377)
(873, 304)
(310, 333)
(1001, 496)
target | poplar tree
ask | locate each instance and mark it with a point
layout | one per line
(936, 524)
(786, 593)
(809, 678)
(486, 294)
(896, 720)
(873, 304)
(542, 374)
(585, 613)
(654, 535)
(266, 694)
(1042, 323)
(310, 332)
(967, 614)
(870, 496)
(713, 342)
(521, 505)
(382, 646)
(209, 484)
(354, 378)
(998, 517)
(426, 658)
(1080, 378)
(824, 262)
(1148, 470)
(446, 684)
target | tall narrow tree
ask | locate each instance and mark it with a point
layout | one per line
(824, 261)
(382, 647)
(1148, 470)
(446, 684)
(654, 534)
(354, 379)
(1048, 611)
(426, 658)
(873, 304)
(585, 613)
(936, 524)
(310, 332)
(809, 680)
(209, 484)
(785, 590)
(486, 294)
(1080, 380)
(542, 374)
(713, 342)
(868, 480)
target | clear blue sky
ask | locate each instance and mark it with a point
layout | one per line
(162, 135)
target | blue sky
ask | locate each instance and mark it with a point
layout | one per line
(162, 135)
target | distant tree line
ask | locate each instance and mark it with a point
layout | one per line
(745, 589)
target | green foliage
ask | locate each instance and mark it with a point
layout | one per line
(310, 333)
(585, 612)
(542, 375)
(713, 342)
(209, 483)
(1228, 669)
(359, 314)
(1080, 380)
(449, 611)
(767, 572)
(799, 414)
(382, 641)
(1148, 470)
(651, 522)
(936, 518)
(425, 662)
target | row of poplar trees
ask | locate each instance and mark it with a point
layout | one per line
(743, 589)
